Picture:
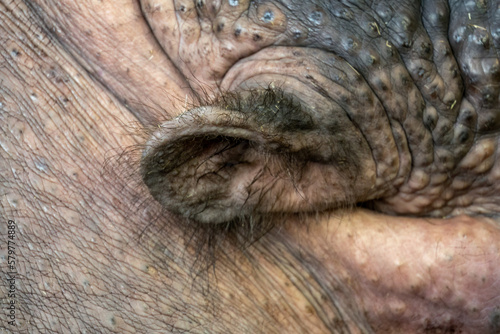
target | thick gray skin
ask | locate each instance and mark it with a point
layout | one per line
(399, 106)
(95, 252)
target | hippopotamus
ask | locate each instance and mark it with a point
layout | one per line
(250, 166)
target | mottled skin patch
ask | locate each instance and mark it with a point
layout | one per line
(419, 80)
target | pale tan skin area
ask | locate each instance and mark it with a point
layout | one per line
(92, 256)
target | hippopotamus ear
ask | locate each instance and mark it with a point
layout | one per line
(254, 153)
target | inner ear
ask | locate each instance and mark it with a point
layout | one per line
(207, 176)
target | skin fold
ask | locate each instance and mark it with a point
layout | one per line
(381, 146)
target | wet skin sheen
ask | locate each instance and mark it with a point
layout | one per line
(250, 167)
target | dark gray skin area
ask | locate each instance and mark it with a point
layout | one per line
(412, 90)
(250, 167)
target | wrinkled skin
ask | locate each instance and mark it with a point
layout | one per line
(251, 167)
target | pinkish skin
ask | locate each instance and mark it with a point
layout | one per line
(366, 135)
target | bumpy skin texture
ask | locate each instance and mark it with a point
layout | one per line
(91, 94)
(416, 84)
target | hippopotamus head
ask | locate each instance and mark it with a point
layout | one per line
(247, 166)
